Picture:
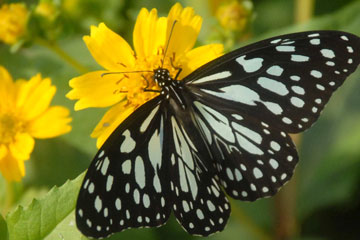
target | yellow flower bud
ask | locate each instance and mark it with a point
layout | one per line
(234, 15)
(46, 10)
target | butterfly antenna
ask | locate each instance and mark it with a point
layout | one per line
(108, 73)
(168, 43)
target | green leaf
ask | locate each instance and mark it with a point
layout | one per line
(66, 229)
(42, 216)
(3, 229)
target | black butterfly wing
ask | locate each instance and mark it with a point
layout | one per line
(247, 101)
(253, 159)
(286, 80)
(127, 185)
(199, 204)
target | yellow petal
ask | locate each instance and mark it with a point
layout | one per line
(138, 39)
(53, 122)
(109, 49)
(22, 146)
(3, 151)
(11, 168)
(185, 31)
(7, 90)
(34, 96)
(111, 120)
(197, 57)
(148, 33)
(92, 90)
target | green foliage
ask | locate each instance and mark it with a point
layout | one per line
(327, 177)
(42, 216)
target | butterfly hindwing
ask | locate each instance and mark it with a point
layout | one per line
(286, 80)
(127, 183)
(253, 159)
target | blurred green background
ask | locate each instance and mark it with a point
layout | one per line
(322, 201)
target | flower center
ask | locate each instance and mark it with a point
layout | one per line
(134, 84)
(9, 126)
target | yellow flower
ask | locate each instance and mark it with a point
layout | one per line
(125, 92)
(13, 20)
(234, 15)
(25, 114)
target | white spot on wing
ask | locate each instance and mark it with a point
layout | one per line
(128, 144)
(155, 150)
(315, 41)
(257, 173)
(109, 182)
(316, 74)
(248, 146)
(273, 86)
(314, 35)
(146, 200)
(328, 53)
(139, 172)
(250, 65)
(344, 38)
(299, 90)
(299, 58)
(275, 70)
(350, 49)
(242, 94)
(147, 121)
(216, 76)
(217, 121)
(98, 204)
(254, 136)
(126, 166)
(275, 41)
(136, 196)
(297, 102)
(156, 182)
(295, 78)
(285, 48)
(274, 164)
(105, 166)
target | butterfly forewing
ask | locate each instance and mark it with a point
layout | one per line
(286, 80)
(127, 183)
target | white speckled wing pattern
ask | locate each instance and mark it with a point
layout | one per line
(225, 126)
(127, 183)
(286, 80)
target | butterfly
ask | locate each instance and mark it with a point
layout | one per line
(223, 128)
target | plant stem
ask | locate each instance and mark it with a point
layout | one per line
(285, 205)
(285, 201)
(246, 221)
(54, 47)
(303, 10)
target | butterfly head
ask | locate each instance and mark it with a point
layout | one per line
(162, 77)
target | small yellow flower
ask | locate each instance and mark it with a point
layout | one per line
(234, 15)
(126, 91)
(13, 20)
(46, 9)
(25, 114)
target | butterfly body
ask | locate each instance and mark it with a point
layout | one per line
(224, 127)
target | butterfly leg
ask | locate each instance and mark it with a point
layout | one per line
(146, 88)
(177, 68)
